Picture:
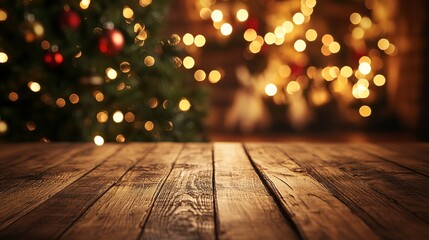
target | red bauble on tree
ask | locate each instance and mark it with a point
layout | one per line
(53, 59)
(70, 18)
(111, 42)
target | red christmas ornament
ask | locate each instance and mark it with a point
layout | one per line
(111, 42)
(70, 19)
(53, 59)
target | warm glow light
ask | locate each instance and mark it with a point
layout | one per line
(127, 12)
(214, 76)
(188, 39)
(242, 15)
(125, 67)
(364, 82)
(205, 13)
(360, 91)
(199, 75)
(270, 89)
(391, 50)
(98, 140)
(288, 26)
(298, 18)
(293, 87)
(355, 18)
(284, 71)
(299, 45)
(129, 117)
(325, 50)
(149, 126)
(379, 80)
(358, 33)
(153, 102)
(311, 35)
(34, 86)
(31, 126)
(111, 73)
(280, 32)
(365, 22)
(270, 38)
(199, 40)
(118, 117)
(250, 35)
(365, 111)
(226, 29)
(346, 71)
(184, 105)
(99, 96)
(310, 3)
(149, 61)
(13, 96)
(3, 15)
(84, 4)
(102, 117)
(3, 57)
(334, 47)
(327, 39)
(383, 44)
(120, 138)
(188, 62)
(364, 68)
(365, 59)
(217, 15)
(74, 98)
(145, 3)
(3, 127)
(60, 102)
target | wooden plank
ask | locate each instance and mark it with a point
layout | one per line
(315, 211)
(28, 194)
(381, 213)
(400, 155)
(121, 212)
(51, 218)
(32, 163)
(184, 207)
(244, 208)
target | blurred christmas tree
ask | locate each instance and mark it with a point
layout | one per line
(82, 71)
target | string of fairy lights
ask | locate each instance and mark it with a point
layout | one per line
(290, 32)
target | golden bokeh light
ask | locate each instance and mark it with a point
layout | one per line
(118, 117)
(84, 4)
(217, 15)
(299, 45)
(270, 38)
(364, 68)
(379, 80)
(226, 29)
(199, 40)
(365, 22)
(111, 73)
(74, 98)
(288, 26)
(355, 18)
(3, 127)
(102, 117)
(188, 39)
(99, 96)
(34, 86)
(60, 102)
(149, 126)
(327, 39)
(120, 138)
(3, 57)
(153, 102)
(310, 3)
(149, 61)
(13, 96)
(250, 35)
(184, 105)
(98, 140)
(365, 111)
(145, 3)
(293, 87)
(334, 47)
(205, 13)
(242, 15)
(125, 67)
(383, 44)
(346, 71)
(188, 62)
(215, 76)
(3, 15)
(311, 35)
(129, 117)
(284, 71)
(270, 89)
(127, 12)
(298, 18)
(199, 75)
(358, 33)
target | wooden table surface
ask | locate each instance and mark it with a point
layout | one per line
(214, 191)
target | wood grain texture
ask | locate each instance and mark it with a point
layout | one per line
(51, 218)
(184, 207)
(400, 155)
(244, 208)
(22, 198)
(381, 213)
(121, 212)
(315, 211)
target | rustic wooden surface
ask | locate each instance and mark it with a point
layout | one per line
(214, 191)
